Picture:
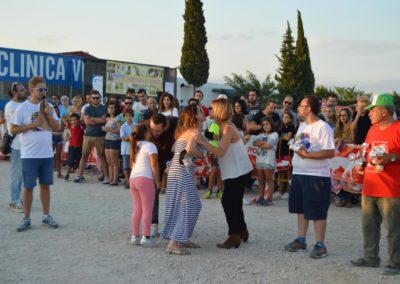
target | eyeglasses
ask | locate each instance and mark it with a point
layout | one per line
(127, 103)
(287, 103)
(95, 98)
(41, 90)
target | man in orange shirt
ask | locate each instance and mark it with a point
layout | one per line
(381, 191)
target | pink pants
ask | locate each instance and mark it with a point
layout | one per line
(143, 193)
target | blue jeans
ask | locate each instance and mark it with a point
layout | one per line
(15, 176)
(374, 211)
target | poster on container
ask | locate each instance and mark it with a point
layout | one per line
(97, 84)
(21, 65)
(122, 76)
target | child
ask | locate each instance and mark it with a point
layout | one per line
(266, 142)
(144, 175)
(125, 133)
(75, 137)
(215, 176)
(286, 132)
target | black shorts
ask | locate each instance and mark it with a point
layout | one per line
(311, 196)
(112, 144)
(74, 156)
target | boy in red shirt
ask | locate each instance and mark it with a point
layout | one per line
(75, 138)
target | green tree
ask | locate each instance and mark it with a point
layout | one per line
(242, 84)
(305, 75)
(286, 73)
(194, 59)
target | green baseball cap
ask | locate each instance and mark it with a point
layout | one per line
(384, 99)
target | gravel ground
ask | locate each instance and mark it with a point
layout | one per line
(92, 244)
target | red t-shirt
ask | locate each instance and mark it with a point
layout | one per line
(387, 182)
(205, 110)
(76, 133)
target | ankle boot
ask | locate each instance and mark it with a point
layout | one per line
(232, 241)
(244, 235)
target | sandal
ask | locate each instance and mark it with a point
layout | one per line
(177, 251)
(189, 245)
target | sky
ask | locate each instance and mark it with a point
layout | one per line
(352, 43)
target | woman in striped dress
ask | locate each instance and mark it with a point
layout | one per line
(182, 205)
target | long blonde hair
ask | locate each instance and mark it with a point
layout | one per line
(344, 130)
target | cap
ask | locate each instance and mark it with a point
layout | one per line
(222, 96)
(381, 100)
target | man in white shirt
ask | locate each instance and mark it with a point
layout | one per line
(34, 121)
(140, 107)
(311, 181)
(17, 94)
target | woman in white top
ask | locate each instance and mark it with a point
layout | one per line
(144, 175)
(167, 106)
(235, 167)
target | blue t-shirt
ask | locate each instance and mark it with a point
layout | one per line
(126, 130)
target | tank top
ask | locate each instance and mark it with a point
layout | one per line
(235, 162)
(112, 123)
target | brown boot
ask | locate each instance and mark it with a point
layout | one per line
(232, 241)
(244, 235)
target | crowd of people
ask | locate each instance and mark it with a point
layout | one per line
(154, 145)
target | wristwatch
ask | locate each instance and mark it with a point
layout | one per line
(393, 158)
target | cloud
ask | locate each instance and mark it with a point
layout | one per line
(52, 38)
(338, 45)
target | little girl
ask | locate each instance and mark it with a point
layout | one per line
(144, 176)
(266, 142)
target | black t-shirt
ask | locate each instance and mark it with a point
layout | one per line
(254, 110)
(164, 144)
(363, 125)
(284, 150)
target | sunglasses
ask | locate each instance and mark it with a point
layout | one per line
(41, 90)
(288, 103)
(95, 98)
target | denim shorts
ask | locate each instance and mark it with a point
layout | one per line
(33, 168)
(311, 196)
(57, 139)
(112, 144)
(126, 162)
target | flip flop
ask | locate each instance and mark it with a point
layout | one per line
(177, 251)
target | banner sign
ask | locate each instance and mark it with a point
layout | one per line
(122, 76)
(21, 65)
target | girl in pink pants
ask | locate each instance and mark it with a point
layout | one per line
(144, 177)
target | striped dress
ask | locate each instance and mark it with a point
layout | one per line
(182, 204)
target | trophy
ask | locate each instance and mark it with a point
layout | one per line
(375, 153)
(360, 158)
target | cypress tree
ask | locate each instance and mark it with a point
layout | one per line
(286, 73)
(194, 59)
(305, 75)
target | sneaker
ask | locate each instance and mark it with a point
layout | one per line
(105, 181)
(296, 246)
(207, 195)
(25, 225)
(262, 202)
(361, 262)
(220, 193)
(135, 240)
(49, 221)
(319, 252)
(391, 270)
(277, 195)
(66, 178)
(18, 208)
(154, 231)
(100, 178)
(285, 196)
(146, 242)
(79, 179)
